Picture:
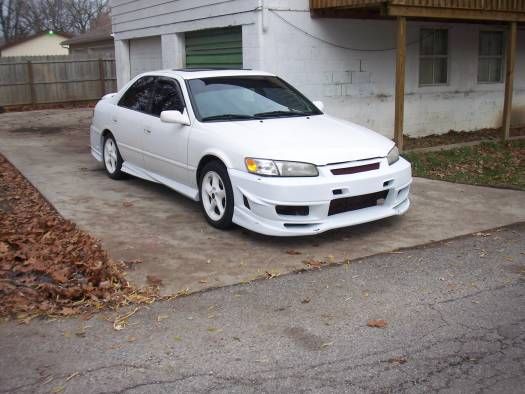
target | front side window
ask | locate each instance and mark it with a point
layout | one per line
(433, 57)
(167, 97)
(139, 95)
(246, 97)
(491, 52)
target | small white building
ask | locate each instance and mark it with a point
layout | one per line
(47, 43)
(343, 52)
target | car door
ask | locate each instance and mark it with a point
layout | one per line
(166, 144)
(130, 119)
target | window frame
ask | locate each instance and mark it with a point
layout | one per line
(148, 107)
(434, 56)
(502, 57)
(177, 87)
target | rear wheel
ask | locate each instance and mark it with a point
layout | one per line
(112, 159)
(216, 195)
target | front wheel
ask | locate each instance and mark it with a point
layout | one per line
(216, 195)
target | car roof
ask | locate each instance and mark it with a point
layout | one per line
(195, 73)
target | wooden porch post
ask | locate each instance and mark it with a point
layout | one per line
(400, 80)
(509, 80)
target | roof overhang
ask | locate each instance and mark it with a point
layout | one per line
(459, 10)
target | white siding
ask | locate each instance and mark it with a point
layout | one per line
(140, 18)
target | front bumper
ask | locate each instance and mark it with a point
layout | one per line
(256, 198)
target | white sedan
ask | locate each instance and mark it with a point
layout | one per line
(252, 149)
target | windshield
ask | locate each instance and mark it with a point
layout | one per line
(245, 98)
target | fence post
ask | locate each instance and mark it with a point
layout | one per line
(31, 82)
(101, 77)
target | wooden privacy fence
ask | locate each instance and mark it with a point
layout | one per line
(54, 79)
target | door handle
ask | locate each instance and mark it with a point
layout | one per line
(115, 120)
(147, 131)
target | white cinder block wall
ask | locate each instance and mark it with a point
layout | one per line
(359, 85)
(354, 84)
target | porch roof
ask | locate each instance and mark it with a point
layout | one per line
(469, 10)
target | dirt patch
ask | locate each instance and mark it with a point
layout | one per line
(35, 107)
(454, 137)
(42, 130)
(47, 265)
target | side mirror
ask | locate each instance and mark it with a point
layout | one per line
(175, 117)
(319, 105)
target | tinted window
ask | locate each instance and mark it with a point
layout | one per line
(167, 97)
(138, 96)
(247, 97)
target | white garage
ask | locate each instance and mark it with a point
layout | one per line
(145, 54)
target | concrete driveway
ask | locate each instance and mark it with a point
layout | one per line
(138, 220)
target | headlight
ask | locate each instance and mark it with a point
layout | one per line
(279, 168)
(393, 155)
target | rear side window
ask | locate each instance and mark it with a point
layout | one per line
(139, 95)
(167, 97)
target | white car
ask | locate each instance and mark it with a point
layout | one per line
(252, 149)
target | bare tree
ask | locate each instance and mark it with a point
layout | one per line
(13, 23)
(73, 16)
(83, 12)
(49, 15)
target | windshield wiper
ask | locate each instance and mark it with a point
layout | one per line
(281, 113)
(228, 117)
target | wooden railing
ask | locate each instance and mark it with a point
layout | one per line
(485, 5)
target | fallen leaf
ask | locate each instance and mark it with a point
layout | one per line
(398, 360)
(154, 280)
(272, 274)
(122, 321)
(57, 389)
(325, 345)
(293, 252)
(161, 318)
(72, 376)
(305, 301)
(377, 323)
(4, 247)
(214, 329)
(127, 204)
(312, 263)
(481, 234)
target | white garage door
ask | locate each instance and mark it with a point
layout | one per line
(145, 54)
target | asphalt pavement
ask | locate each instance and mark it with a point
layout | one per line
(454, 314)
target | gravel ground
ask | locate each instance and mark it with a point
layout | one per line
(455, 314)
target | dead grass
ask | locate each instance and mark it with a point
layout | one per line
(495, 164)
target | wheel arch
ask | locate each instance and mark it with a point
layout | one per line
(103, 136)
(207, 158)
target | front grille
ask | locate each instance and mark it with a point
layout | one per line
(355, 169)
(348, 204)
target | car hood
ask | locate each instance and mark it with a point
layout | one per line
(319, 140)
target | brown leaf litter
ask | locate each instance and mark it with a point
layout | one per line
(377, 323)
(48, 266)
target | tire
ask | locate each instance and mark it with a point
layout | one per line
(216, 195)
(111, 158)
